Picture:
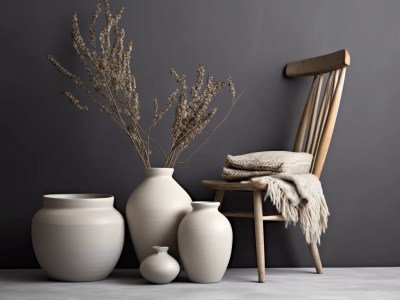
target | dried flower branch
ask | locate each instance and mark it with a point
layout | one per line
(107, 64)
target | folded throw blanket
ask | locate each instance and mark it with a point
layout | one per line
(274, 161)
(298, 198)
(230, 174)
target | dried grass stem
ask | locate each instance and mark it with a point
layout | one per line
(107, 64)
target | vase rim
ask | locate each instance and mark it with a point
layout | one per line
(78, 196)
(159, 171)
(205, 204)
(78, 200)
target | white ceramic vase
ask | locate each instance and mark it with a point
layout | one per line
(205, 243)
(77, 237)
(160, 267)
(154, 211)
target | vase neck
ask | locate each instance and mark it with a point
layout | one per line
(153, 172)
(78, 201)
(160, 249)
(203, 205)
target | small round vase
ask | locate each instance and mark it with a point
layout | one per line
(154, 211)
(160, 267)
(205, 243)
(77, 237)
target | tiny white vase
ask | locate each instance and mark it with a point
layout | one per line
(160, 267)
(154, 211)
(77, 237)
(205, 243)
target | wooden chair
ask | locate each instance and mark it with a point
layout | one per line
(313, 136)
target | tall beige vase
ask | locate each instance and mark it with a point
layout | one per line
(205, 243)
(78, 237)
(154, 211)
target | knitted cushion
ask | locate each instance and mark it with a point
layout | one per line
(274, 161)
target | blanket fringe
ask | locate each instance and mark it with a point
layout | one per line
(311, 212)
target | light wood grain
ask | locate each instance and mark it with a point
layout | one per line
(225, 185)
(316, 258)
(314, 114)
(245, 214)
(323, 108)
(239, 214)
(319, 65)
(259, 231)
(329, 126)
(301, 132)
(219, 197)
(278, 218)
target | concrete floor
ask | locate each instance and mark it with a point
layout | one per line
(336, 283)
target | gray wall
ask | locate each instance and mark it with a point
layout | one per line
(49, 147)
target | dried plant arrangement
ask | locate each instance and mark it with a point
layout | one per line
(111, 86)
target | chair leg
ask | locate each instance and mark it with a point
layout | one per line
(259, 230)
(315, 256)
(219, 197)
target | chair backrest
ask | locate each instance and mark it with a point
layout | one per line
(319, 116)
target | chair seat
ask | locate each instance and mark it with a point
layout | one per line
(221, 185)
(233, 185)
